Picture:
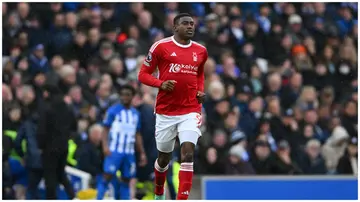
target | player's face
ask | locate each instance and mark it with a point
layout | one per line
(185, 27)
(126, 96)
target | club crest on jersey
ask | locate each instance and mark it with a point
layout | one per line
(194, 56)
(148, 57)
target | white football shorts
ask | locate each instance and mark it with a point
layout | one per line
(168, 127)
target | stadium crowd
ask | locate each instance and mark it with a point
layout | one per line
(281, 85)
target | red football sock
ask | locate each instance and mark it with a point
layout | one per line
(185, 178)
(160, 177)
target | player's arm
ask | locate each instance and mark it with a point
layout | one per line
(147, 69)
(200, 80)
(140, 145)
(109, 118)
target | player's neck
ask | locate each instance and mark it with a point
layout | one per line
(181, 41)
(127, 106)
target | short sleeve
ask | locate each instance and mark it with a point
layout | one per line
(109, 118)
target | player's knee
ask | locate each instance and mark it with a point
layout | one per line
(163, 162)
(187, 157)
(163, 159)
(187, 152)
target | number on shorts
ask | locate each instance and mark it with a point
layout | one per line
(198, 120)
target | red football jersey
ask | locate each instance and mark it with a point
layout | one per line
(182, 63)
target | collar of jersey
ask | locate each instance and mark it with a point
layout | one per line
(181, 45)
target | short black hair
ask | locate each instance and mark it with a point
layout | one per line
(177, 18)
(128, 87)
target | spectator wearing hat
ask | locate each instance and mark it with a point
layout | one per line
(335, 147)
(236, 163)
(348, 163)
(243, 93)
(239, 138)
(296, 29)
(38, 62)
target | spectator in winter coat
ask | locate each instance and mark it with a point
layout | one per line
(312, 162)
(89, 156)
(33, 161)
(236, 164)
(38, 62)
(348, 164)
(335, 147)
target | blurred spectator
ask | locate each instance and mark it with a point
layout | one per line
(89, 156)
(284, 164)
(32, 160)
(236, 164)
(348, 162)
(56, 124)
(312, 162)
(335, 147)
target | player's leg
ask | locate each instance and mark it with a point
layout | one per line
(165, 143)
(111, 165)
(161, 168)
(128, 171)
(189, 134)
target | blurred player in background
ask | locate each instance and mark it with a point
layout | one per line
(180, 62)
(122, 123)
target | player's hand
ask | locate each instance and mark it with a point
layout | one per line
(168, 85)
(200, 96)
(143, 160)
(106, 151)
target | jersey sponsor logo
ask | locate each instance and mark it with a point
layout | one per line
(181, 68)
(148, 57)
(173, 54)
